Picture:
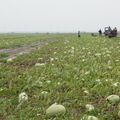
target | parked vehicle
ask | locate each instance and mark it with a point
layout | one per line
(109, 32)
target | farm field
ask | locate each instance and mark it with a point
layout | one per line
(72, 72)
(17, 40)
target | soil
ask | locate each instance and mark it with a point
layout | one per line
(25, 49)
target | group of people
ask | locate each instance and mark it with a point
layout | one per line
(109, 32)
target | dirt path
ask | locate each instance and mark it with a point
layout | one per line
(12, 52)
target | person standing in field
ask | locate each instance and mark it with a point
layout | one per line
(100, 32)
(109, 28)
(78, 33)
(115, 31)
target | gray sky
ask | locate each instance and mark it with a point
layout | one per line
(58, 15)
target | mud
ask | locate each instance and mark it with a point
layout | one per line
(13, 52)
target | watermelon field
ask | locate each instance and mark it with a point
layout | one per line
(81, 75)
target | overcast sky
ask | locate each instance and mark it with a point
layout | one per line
(58, 15)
